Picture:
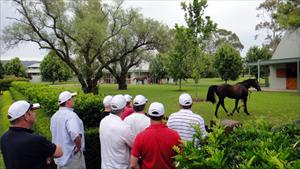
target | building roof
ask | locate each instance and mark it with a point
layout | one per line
(35, 65)
(289, 46)
(287, 51)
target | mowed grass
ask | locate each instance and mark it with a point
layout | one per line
(275, 107)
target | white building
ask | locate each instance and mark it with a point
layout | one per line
(34, 72)
(284, 64)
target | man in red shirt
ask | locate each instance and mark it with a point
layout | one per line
(128, 110)
(154, 145)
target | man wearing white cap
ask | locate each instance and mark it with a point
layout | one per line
(106, 105)
(184, 120)
(115, 137)
(138, 121)
(67, 130)
(155, 144)
(128, 109)
(20, 148)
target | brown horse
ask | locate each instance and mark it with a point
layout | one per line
(237, 92)
(142, 78)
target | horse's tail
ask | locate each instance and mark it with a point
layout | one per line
(211, 93)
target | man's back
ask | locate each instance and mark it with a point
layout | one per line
(23, 150)
(184, 121)
(137, 122)
(116, 140)
(155, 146)
(65, 127)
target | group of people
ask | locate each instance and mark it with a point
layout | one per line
(129, 137)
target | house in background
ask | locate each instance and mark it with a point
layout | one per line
(34, 72)
(285, 62)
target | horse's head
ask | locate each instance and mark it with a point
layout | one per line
(254, 83)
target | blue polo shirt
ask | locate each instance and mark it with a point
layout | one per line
(23, 150)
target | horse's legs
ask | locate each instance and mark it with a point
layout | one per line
(217, 107)
(222, 103)
(245, 106)
(235, 107)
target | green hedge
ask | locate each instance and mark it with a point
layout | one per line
(255, 145)
(5, 83)
(87, 106)
(5, 101)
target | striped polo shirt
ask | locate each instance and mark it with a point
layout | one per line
(183, 122)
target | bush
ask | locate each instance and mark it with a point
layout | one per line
(87, 106)
(6, 82)
(255, 145)
(92, 149)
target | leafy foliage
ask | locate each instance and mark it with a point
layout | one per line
(52, 69)
(228, 62)
(255, 145)
(1, 70)
(15, 67)
(288, 14)
(6, 82)
(158, 68)
(87, 106)
(274, 32)
(253, 55)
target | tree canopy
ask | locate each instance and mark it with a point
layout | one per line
(288, 14)
(228, 62)
(254, 54)
(52, 69)
(15, 67)
(274, 32)
(1, 70)
(82, 33)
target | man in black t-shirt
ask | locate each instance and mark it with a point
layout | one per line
(20, 148)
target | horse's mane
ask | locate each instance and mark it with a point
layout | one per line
(245, 81)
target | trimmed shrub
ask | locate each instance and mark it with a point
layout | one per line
(92, 149)
(87, 106)
(6, 82)
(255, 145)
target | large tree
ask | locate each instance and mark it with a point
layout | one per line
(1, 70)
(52, 69)
(178, 60)
(15, 67)
(288, 14)
(274, 32)
(228, 62)
(81, 32)
(220, 36)
(158, 68)
(199, 29)
(149, 31)
(253, 55)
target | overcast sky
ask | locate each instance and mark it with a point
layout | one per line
(238, 16)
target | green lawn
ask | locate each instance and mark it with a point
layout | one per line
(275, 107)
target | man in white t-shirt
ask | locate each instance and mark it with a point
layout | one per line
(138, 121)
(184, 121)
(68, 132)
(115, 137)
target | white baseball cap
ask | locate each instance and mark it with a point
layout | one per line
(19, 108)
(139, 100)
(128, 97)
(118, 102)
(156, 109)
(185, 99)
(107, 101)
(65, 96)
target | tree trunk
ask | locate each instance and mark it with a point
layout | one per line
(122, 82)
(90, 86)
(179, 84)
